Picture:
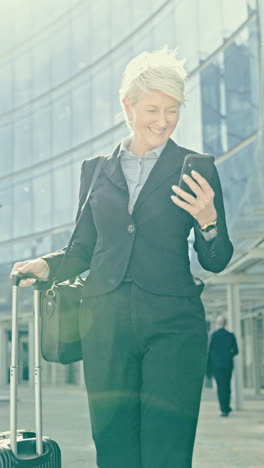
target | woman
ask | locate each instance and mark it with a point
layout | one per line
(142, 321)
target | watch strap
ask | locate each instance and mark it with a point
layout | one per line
(208, 227)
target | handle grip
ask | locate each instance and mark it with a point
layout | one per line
(17, 277)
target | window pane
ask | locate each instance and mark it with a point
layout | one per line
(6, 213)
(240, 85)
(234, 14)
(141, 10)
(164, 29)
(60, 61)
(101, 99)
(7, 28)
(42, 246)
(62, 195)
(119, 63)
(81, 39)
(42, 202)
(41, 134)
(100, 14)
(6, 255)
(24, 251)
(191, 139)
(6, 157)
(41, 66)
(120, 29)
(209, 27)
(61, 128)
(23, 79)
(6, 81)
(22, 142)
(187, 32)
(45, 12)
(142, 40)
(82, 115)
(22, 208)
(22, 20)
(211, 109)
(234, 182)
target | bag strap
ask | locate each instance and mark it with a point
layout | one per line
(94, 178)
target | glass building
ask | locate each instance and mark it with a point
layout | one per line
(61, 65)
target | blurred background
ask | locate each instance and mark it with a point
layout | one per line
(61, 64)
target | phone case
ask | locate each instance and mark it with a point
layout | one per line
(202, 163)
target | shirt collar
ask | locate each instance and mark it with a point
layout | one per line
(153, 154)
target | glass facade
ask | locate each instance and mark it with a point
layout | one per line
(61, 65)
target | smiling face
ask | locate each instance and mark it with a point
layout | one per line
(154, 117)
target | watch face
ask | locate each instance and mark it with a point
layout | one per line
(209, 228)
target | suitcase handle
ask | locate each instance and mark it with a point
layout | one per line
(16, 278)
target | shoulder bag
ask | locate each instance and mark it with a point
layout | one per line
(60, 305)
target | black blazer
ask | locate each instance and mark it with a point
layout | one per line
(222, 349)
(151, 244)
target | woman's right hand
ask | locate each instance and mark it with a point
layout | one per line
(37, 266)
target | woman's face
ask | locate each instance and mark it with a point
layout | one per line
(154, 118)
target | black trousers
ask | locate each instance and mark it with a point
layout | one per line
(223, 382)
(144, 359)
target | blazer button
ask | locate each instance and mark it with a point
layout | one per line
(131, 228)
(111, 281)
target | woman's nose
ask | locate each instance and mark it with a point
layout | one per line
(162, 119)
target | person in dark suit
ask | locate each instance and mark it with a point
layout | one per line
(144, 335)
(222, 349)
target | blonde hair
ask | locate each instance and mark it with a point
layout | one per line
(159, 70)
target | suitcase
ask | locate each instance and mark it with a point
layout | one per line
(21, 448)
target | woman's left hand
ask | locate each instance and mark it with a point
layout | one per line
(201, 206)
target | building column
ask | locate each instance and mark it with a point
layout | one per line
(257, 358)
(233, 307)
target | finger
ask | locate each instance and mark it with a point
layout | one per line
(185, 195)
(27, 282)
(194, 186)
(25, 268)
(16, 267)
(182, 204)
(205, 186)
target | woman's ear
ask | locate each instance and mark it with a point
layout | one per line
(127, 107)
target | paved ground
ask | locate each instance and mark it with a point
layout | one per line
(237, 441)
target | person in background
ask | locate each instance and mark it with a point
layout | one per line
(222, 349)
(144, 335)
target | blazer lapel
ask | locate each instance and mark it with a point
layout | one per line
(113, 170)
(170, 160)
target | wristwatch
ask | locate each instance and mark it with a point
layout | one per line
(208, 227)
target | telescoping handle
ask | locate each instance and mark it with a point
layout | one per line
(16, 278)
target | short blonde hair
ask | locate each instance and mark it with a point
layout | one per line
(159, 70)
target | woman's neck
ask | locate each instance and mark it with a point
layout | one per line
(138, 149)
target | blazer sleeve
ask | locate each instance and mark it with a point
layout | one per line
(79, 256)
(214, 254)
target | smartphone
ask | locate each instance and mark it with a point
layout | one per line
(202, 163)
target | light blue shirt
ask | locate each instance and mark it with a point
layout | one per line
(136, 169)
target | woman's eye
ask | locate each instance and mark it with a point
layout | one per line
(151, 110)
